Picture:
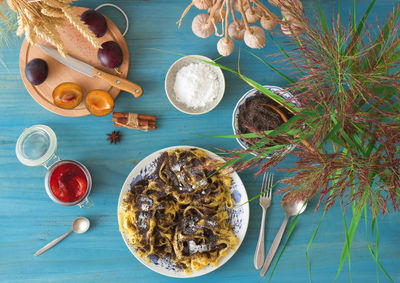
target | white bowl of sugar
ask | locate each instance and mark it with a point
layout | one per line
(193, 86)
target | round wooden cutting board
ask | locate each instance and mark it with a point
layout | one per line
(80, 48)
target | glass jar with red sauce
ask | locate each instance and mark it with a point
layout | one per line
(67, 182)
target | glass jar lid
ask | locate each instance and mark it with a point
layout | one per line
(36, 145)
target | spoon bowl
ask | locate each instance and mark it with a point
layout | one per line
(80, 225)
(293, 208)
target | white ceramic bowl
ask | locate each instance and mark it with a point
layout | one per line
(170, 82)
(253, 92)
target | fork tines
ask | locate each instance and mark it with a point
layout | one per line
(267, 182)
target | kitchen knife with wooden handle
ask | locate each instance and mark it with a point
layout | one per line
(90, 71)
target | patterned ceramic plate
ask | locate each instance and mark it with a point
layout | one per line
(239, 215)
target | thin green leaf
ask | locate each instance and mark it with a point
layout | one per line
(361, 24)
(316, 230)
(370, 147)
(349, 237)
(257, 196)
(310, 243)
(347, 252)
(324, 23)
(332, 133)
(353, 143)
(290, 106)
(374, 254)
(352, 46)
(338, 141)
(286, 54)
(354, 15)
(273, 68)
(255, 135)
(227, 164)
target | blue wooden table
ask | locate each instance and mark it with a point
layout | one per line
(29, 219)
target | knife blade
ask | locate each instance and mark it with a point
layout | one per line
(91, 71)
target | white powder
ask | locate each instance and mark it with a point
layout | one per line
(176, 167)
(202, 183)
(196, 85)
(186, 189)
(211, 223)
(145, 203)
(141, 221)
(193, 248)
(145, 207)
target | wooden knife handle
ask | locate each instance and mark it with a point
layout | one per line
(118, 82)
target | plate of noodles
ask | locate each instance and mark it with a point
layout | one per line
(180, 217)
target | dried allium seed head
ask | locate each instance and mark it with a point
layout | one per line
(236, 30)
(201, 27)
(219, 14)
(244, 4)
(203, 4)
(253, 15)
(255, 38)
(268, 23)
(225, 46)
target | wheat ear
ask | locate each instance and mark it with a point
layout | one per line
(80, 26)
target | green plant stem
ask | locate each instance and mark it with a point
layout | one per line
(350, 232)
(373, 253)
(310, 243)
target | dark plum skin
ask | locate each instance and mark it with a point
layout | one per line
(36, 71)
(96, 22)
(110, 55)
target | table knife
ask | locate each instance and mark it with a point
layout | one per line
(91, 71)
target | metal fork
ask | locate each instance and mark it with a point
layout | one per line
(265, 201)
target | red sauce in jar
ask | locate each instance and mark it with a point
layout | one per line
(68, 182)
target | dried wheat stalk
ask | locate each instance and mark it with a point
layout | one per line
(41, 18)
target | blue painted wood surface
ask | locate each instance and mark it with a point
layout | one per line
(29, 219)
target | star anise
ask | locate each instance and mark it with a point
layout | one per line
(114, 137)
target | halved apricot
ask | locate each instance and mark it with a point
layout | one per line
(67, 95)
(99, 102)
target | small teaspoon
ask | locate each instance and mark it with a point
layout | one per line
(80, 225)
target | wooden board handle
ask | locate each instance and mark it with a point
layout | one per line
(118, 82)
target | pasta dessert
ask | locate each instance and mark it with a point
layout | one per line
(180, 211)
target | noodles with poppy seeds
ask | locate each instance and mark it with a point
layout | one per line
(180, 212)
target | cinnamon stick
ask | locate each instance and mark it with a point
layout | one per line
(134, 121)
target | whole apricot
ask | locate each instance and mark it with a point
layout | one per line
(99, 102)
(67, 95)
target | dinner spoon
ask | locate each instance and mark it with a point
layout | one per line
(291, 208)
(80, 225)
